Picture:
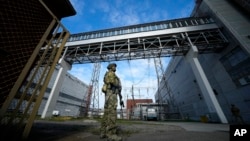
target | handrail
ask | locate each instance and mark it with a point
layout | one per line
(167, 24)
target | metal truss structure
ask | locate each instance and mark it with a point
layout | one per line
(148, 47)
(93, 91)
(152, 40)
(161, 43)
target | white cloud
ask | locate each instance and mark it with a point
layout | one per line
(185, 12)
(103, 6)
(78, 5)
(82, 71)
(124, 16)
(140, 73)
(129, 13)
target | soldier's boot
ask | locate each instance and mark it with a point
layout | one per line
(102, 136)
(114, 138)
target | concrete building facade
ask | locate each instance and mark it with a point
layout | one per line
(228, 71)
(72, 97)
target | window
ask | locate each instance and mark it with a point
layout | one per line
(105, 34)
(151, 110)
(170, 25)
(92, 35)
(181, 23)
(237, 64)
(153, 27)
(112, 33)
(87, 36)
(77, 38)
(97, 35)
(236, 57)
(81, 37)
(159, 26)
(137, 29)
(130, 30)
(101, 35)
(125, 31)
(165, 26)
(242, 81)
(70, 39)
(115, 32)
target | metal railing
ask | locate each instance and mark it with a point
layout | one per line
(167, 24)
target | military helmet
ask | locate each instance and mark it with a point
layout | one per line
(111, 65)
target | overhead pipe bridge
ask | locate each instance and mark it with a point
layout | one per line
(158, 39)
(187, 36)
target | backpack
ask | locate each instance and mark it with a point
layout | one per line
(104, 87)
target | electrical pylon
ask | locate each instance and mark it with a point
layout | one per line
(160, 76)
(93, 91)
(163, 86)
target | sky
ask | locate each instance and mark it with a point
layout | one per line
(104, 14)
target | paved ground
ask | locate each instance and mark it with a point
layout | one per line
(87, 130)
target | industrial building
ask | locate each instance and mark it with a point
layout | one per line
(228, 70)
(209, 70)
(71, 100)
(132, 111)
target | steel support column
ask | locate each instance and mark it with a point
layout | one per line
(207, 91)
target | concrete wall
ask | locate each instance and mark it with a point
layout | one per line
(72, 96)
(227, 71)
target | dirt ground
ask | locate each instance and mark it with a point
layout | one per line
(88, 130)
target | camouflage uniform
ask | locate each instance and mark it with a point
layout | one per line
(236, 113)
(108, 124)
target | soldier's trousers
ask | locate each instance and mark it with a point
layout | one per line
(108, 123)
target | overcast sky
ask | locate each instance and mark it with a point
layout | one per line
(103, 14)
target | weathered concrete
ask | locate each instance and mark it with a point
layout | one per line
(88, 130)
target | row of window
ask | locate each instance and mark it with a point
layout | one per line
(145, 28)
(244, 80)
(237, 65)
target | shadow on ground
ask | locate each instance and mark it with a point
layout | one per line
(52, 131)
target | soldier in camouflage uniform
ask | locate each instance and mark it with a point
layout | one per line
(112, 88)
(236, 113)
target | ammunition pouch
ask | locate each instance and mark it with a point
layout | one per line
(114, 89)
(104, 88)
